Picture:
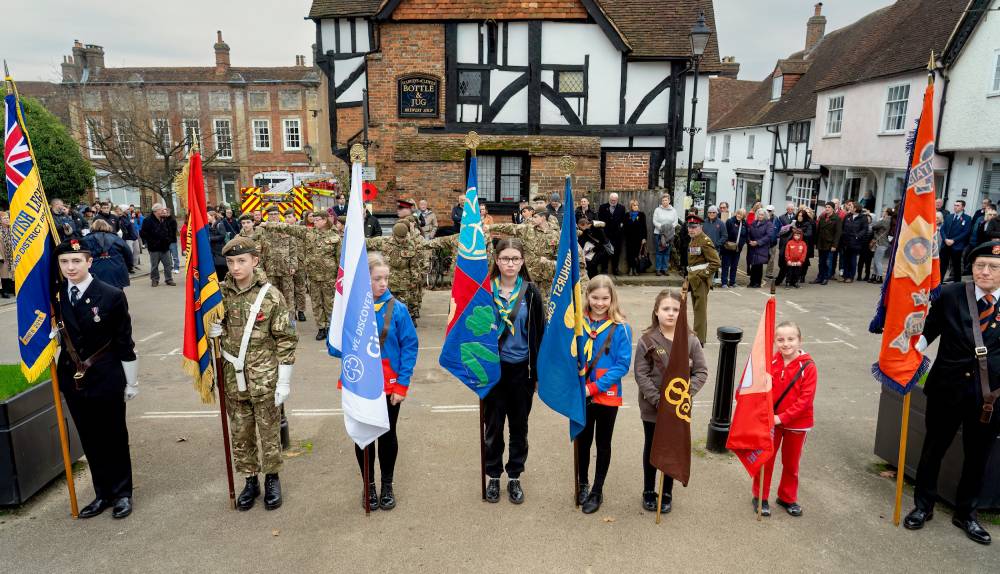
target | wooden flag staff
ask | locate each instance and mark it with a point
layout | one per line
(760, 493)
(64, 440)
(567, 165)
(220, 383)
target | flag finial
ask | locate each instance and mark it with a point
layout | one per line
(930, 63)
(472, 141)
(358, 153)
(567, 165)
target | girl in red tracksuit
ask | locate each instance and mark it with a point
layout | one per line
(795, 258)
(607, 350)
(793, 375)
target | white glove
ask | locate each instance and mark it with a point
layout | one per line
(922, 344)
(600, 223)
(131, 369)
(215, 330)
(284, 387)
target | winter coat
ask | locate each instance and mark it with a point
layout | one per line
(795, 252)
(613, 218)
(737, 232)
(664, 216)
(649, 370)
(856, 231)
(759, 231)
(217, 240)
(828, 232)
(796, 408)
(159, 233)
(715, 229)
(112, 257)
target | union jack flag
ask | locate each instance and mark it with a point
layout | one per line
(16, 153)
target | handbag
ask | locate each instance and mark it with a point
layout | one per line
(644, 263)
(734, 245)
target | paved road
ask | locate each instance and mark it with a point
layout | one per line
(182, 521)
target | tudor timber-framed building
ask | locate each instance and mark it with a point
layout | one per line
(601, 80)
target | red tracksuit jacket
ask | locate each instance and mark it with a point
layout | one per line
(796, 409)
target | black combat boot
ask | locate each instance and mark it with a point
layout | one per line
(302, 315)
(250, 493)
(372, 498)
(272, 491)
(321, 334)
(584, 491)
(388, 500)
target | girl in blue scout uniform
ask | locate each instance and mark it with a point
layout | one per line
(518, 306)
(399, 346)
(607, 352)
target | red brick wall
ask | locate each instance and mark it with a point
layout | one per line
(495, 9)
(545, 173)
(626, 170)
(433, 181)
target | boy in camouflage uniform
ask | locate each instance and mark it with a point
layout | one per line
(278, 254)
(299, 278)
(258, 372)
(541, 244)
(407, 256)
(322, 259)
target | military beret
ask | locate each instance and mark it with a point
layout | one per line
(323, 214)
(401, 229)
(987, 249)
(239, 246)
(405, 203)
(695, 219)
(273, 209)
(246, 217)
(71, 246)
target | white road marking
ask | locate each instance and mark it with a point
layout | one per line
(796, 306)
(430, 348)
(144, 339)
(731, 291)
(317, 410)
(207, 416)
(181, 413)
(840, 328)
(846, 343)
(170, 354)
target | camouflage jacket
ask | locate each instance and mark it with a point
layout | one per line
(321, 248)
(278, 252)
(272, 341)
(537, 243)
(407, 259)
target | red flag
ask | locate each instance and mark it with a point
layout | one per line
(671, 450)
(750, 435)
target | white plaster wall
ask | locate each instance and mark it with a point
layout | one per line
(467, 39)
(345, 35)
(614, 142)
(862, 142)
(701, 120)
(550, 114)
(971, 117)
(328, 35)
(362, 38)
(568, 43)
(967, 180)
(517, 50)
(343, 69)
(516, 110)
(643, 77)
(353, 94)
(726, 171)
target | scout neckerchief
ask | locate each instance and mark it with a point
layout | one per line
(386, 319)
(588, 347)
(505, 307)
(592, 333)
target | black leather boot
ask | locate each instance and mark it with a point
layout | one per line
(321, 334)
(372, 498)
(581, 497)
(272, 491)
(302, 315)
(493, 490)
(250, 493)
(649, 500)
(593, 502)
(514, 491)
(388, 500)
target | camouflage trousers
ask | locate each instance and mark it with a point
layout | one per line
(285, 284)
(542, 272)
(301, 287)
(321, 293)
(413, 296)
(249, 419)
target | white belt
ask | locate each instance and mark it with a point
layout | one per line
(238, 362)
(698, 267)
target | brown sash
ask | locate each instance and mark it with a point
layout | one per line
(81, 366)
(386, 321)
(989, 397)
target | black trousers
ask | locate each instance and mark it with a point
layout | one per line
(943, 418)
(648, 470)
(600, 423)
(795, 274)
(618, 243)
(510, 401)
(865, 263)
(954, 262)
(388, 448)
(756, 274)
(100, 423)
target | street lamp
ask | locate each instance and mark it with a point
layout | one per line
(699, 35)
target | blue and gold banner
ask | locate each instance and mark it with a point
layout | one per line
(32, 242)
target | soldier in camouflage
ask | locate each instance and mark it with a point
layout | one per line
(278, 255)
(541, 244)
(407, 256)
(258, 372)
(322, 259)
(299, 278)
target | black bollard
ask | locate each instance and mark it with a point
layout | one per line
(722, 404)
(285, 440)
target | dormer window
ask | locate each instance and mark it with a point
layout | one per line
(776, 83)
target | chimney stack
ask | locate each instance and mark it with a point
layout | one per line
(815, 27)
(730, 67)
(221, 54)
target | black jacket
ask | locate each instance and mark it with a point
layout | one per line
(855, 231)
(954, 374)
(158, 233)
(111, 218)
(99, 318)
(614, 219)
(535, 322)
(217, 240)
(112, 258)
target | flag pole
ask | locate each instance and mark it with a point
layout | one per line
(482, 447)
(63, 435)
(364, 487)
(220, 383)
(760, 493)
(576, 473)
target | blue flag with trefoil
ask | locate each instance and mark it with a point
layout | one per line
(560, 374)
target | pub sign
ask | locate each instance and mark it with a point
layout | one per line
(418, 96)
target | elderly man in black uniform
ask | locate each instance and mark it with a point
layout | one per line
(962, 389)
(98, 372)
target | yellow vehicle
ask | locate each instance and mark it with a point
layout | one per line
(292, 193)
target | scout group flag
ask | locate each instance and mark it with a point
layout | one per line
(671, 450)
(202, 297)
(470, 346)
(560, 379)
(914, 268)
(353, 333)
(753, 420)
(32, 239)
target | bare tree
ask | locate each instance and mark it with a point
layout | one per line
(137, 147)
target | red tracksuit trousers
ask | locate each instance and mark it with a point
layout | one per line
(789, 443)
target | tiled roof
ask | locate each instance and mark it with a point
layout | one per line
(652, 29)
(290, 74)
(892, 40)
(724, 94)
(343, 8)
